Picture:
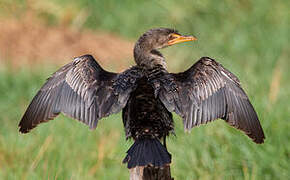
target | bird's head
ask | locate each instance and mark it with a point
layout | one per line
(162, 37)
(147, 45)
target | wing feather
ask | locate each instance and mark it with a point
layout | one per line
(81, 90)
(207, 91)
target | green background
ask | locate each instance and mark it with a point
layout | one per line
(250, 38)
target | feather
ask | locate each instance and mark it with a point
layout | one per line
(73, 90)
(218, 95)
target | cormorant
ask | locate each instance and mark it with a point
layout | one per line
(148, 94)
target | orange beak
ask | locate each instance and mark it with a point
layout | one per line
(179, 39)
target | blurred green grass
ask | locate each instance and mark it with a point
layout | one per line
(250, 38)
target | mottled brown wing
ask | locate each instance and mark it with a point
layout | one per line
(207, 91)
(81, 90)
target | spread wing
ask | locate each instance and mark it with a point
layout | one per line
(207, 91)
(81, 90)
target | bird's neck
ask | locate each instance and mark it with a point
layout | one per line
(148, 59)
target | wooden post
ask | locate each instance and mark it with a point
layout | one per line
(150, 173)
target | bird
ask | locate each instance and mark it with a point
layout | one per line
(147, 94)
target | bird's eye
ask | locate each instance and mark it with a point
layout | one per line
(171, 37)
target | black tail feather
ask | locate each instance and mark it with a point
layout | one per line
(147, 152)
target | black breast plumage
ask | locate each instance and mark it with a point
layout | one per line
(145, 115)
